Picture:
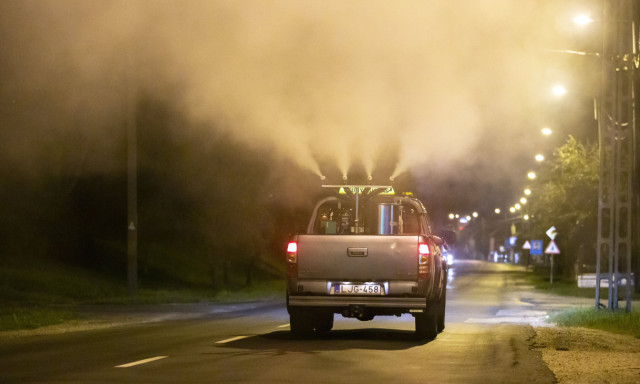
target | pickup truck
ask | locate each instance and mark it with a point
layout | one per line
(366, 252)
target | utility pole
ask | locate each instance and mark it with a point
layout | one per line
(132, 177)
(132, 197)
(636, 173)
(617, 125)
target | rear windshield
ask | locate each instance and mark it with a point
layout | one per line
(339, 218)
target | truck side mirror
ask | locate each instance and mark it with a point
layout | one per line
(438, 241)
(449, 236)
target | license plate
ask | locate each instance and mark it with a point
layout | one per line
(358, 289)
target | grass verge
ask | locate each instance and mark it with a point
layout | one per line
(31, 315)
(621, 322)
(17, 318)
(261, 290)
(33, 296)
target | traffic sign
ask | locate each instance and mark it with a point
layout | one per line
(536, 247)
(552, 248)
(526, 245)
(551, 232)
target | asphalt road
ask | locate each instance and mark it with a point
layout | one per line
(487, 339)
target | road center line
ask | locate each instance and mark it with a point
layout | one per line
(140, 362)
(231, 339)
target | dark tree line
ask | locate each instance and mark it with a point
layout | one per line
(208, 206)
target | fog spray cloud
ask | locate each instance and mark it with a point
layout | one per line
(327, 83)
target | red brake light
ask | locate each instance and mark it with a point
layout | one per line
(292, 252)
(423, 260)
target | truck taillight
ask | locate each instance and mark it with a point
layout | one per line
(423, 260)
(424, 251)
(292, 252)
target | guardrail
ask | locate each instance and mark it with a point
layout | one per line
(588, 280)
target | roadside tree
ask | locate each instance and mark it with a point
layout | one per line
(567, 197)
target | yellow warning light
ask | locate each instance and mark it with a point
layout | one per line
(359, 189)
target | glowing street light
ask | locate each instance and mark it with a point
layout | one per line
(527, 192)
(526, 217)
(582, 20)
(523, 200)
(518, 206)
(497, 211)
(451, 216)
(539, 157)
(531, 175)
(546, 131)
(559, 90)
(512, 209)
(474, 214)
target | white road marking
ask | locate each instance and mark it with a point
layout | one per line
(231, 339)
(243, 337)
(520, 312)
(534, 318)
(140, 362)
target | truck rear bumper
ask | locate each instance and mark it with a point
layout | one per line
(365, 301)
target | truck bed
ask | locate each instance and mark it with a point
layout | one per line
(358, 257)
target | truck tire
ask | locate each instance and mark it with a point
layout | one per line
(307, 323)
(301, 323)
(323, 322)
(427, 323)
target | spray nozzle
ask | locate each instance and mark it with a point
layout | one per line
(344, 178)
(392, 178)
(323, 177)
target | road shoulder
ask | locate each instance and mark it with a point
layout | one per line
(582, 355)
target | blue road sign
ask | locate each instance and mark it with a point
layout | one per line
(536, 247)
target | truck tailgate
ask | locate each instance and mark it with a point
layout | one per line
(365, 258)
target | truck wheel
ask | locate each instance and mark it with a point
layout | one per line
(323, 322)
(427, 323)
(441, 311)
(301, 324)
